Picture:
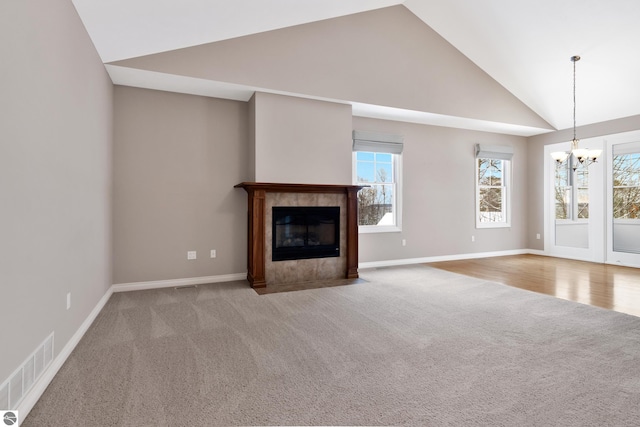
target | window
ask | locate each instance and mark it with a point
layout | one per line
(493, 165)
(626, 186)
(376, 164)
(625, 198)
(572, 190)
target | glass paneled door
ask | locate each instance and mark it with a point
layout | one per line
(623, 204)
(573, 223)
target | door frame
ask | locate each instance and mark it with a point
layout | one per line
(596, 229)
(612, 257)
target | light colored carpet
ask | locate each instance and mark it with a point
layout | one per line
(413, 346)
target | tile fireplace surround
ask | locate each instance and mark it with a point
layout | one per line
(261, 270)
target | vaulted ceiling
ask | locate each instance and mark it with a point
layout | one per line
(524, 46)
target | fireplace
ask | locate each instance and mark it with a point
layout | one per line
(263, 197)
(304, 232)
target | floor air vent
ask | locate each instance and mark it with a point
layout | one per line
(20, 382)
(177, 288)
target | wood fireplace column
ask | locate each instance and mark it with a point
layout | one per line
(256, 233)
(352, 232)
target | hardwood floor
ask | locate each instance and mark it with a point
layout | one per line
(601, 285)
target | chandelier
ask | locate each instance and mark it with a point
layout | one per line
(582, 155)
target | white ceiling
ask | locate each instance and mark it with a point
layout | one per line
(524, 45)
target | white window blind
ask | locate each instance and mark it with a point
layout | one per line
(376, 142)
(501, 152)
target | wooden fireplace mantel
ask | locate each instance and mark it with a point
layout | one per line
(256, 216)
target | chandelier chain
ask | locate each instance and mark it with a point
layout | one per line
(574, 59)
(581, 155)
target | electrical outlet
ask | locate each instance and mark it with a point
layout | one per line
(404, 242)
(213, 253)
(191, 255)
(68, 300)
(473, 238)
(538, 236)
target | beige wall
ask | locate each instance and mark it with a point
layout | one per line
(382, 57)
(439, 195)
(55, 176)
(176, 160)
(301, 140)
(252, 139)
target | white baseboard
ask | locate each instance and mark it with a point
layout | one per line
(172, 283)
(29, 400)
(623, 265)
(407, 261)
(537, 252)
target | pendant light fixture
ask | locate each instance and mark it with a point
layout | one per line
(582, 155)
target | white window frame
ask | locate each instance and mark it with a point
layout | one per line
(574, 190)
(633, 148)
(376, 143)
(506, 186)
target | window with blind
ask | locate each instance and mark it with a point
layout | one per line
(493, 186)
(376, 164)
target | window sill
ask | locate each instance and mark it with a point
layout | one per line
(494, 225)
(371, 229)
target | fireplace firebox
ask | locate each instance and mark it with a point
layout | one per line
(303, 232)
